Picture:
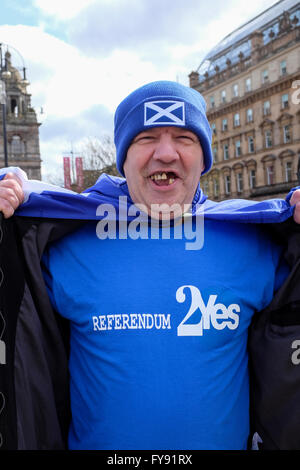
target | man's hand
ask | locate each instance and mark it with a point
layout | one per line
(11, 194)
(295, 201)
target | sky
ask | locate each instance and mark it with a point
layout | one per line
(83, 57)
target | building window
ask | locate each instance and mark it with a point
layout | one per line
(236, 120)
(238, 150)
(227, 184)
(235, 90)
(225, 152)
(239, 182)
(14, 107)
(250, 144)
(286, 134)
(223, 96)
(16, 144)
(268, 139)
(283, 70)
(252, 179)
(215, 153)
(265, 76)
(212, 101)
(224, 125)
(285, 101)
(288, 172)
(205, 187)
(249, 115)
(213, 128)
(216, 187)
(270, 174)
(267, 108)
(248, 84)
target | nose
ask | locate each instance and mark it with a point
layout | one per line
(165, 149)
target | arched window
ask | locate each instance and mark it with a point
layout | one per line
(227, 184)
(14, 106)
(251, 168)
(288, 164)
(239, 182)
(239, 177)
(288, 171)
(269, 167)
(285, 124)
(17, 145)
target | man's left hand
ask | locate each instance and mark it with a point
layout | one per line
(295, 201)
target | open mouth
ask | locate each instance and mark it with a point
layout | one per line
(163, 178)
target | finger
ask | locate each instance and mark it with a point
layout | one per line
(10, 196)
(297, 213)
(295, 197)
(6, 208)
(11, 175)
(12, 186)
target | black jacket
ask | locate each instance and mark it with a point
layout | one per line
(34, 385)
(34, 381)
(274, 352)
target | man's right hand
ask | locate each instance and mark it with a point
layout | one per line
(11, 194)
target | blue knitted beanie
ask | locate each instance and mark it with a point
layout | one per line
(161, 103)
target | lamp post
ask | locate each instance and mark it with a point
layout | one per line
(3, 106)
(4, 74)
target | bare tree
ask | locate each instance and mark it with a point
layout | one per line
(54, 178)
(99, 157)
(98, 153)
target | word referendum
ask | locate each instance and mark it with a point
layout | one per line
(133, 321)
(164, 221)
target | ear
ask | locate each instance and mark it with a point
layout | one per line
(125, 166)
(202, 161)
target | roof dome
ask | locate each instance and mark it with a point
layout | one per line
(238, 41)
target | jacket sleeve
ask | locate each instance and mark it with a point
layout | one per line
(34, 388)
(274, 357)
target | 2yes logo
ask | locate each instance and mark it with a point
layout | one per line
(215, 315)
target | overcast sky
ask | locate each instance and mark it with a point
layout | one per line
(84, 56)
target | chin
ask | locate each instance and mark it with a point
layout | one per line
(165, 210)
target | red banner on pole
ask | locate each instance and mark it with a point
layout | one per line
(79, 173)
(67, 172)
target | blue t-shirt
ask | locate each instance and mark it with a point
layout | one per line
(158, 355)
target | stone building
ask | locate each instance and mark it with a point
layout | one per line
(22, 127)
(251, 84)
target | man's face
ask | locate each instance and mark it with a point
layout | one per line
(163, 166)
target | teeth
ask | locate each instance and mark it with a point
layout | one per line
(162, 176)
(158, 176)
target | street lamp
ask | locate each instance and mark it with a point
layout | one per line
(4, 74)
(3, 106)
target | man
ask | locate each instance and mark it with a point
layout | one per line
(158, 333)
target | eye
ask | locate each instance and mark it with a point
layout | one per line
(186, 138)
(143, 138)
